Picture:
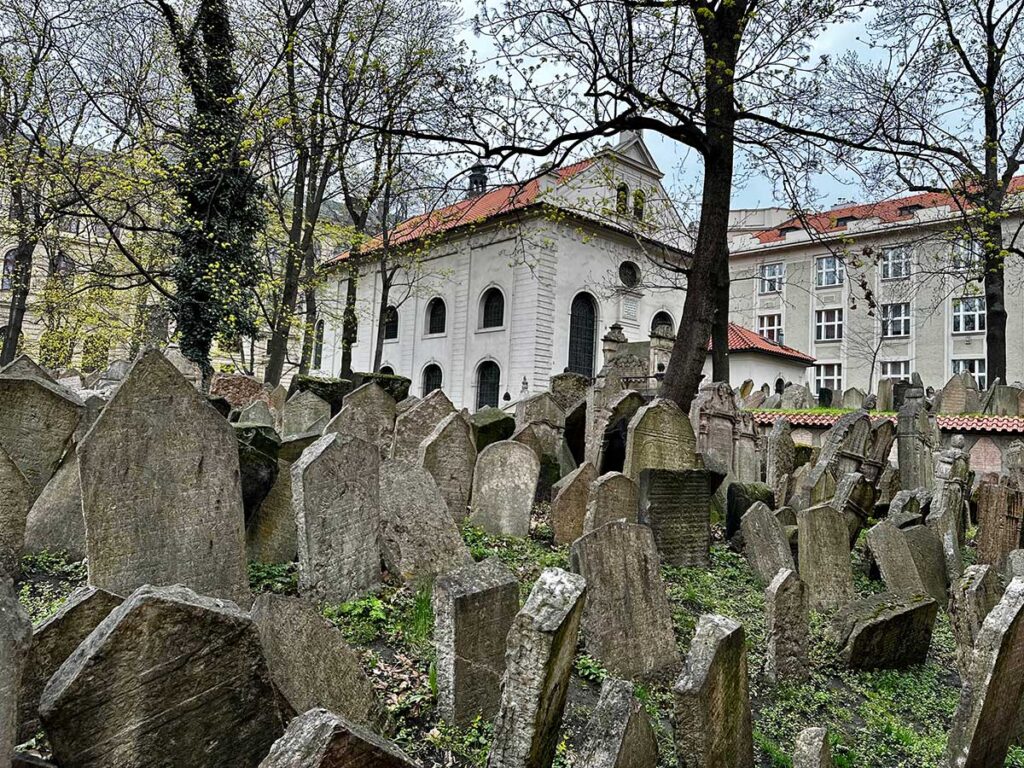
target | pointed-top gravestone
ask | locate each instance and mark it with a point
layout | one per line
(619, 734)
(569, 507)
(304, 412)
(414, 425)
(659, 437)
(257, 414)
(55, 522)
(448, 453)
(613, 496)
(368, 412)
(812, 749)
(24, 366)
(322, 739)
(541, 407)
(780, 460)
(161, 489)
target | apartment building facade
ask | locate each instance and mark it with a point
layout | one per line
(873, 291)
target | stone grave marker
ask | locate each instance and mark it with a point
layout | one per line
(304, 412)
(504, 484)
(569, 507)
(885, 631)
(765, 543)
(322, 739)
(659, 437)
(613, 496)
(812, 749)
(449, 455)
(15, 641)
(825, 557)
(788, 628)
(414, 425)
(971, 598)
(676, 504)
(619, 733)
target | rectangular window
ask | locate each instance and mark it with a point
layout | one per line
(977, 367)
(896, 369)
(895, 320)
(771, 278)
(969, 314)
(770, 326)
(828, 375)
(828, 324)
(829, 271)
(895, 263)
(967, 258)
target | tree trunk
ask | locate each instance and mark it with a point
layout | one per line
(349, 321)
(21, 280)
(720, 327)
(309, 339)
(277, 348)
(995, 307)
(385, 292)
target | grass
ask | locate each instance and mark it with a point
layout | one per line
(46, 581)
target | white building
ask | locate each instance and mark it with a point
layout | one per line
(516, 283)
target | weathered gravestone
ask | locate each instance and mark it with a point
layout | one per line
(569, 388)
(161, 491)
(960, 395)
(812, 749)
(37, 422)
(541, 646)
(739, 498)
(270, 534)
(419, 538)
(676, 504)
(915, 441)
(414, 425)
(239, 390)
(1000, 514)
(712, 703)
(1002, 400)
(504, 484)
(971, 597)
(788, 628)
(15, 639)
(540, 407)
(825, 557)
(449, 455)
(619, 733)
(310, 662)
(946, 515)
(16, 495)
(206, 682)
(796, 397)
(368, 412)
(765, 543)
(987, 716)
(258, 415)
(855, 499)
(322, 739)
(474, 607)
(627, 621)
(490, 425)
(659, 437)
(53, 642)
(891, 550)
(569, 507)
(613, 496)
(885, 631)
(780, 460)
(24, 366)
(304, 412)
(555, 459)
(337, 511)
(608, 428)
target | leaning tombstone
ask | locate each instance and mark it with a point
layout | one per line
(322, 739)
(885, 631)
(368, 412)
(490, 425)
(540, 648)
(17, 498)
(53, 642)
(419, 538)
(659, 437)
(812, 749)
(712, 703)
(161, 494)
(304, 412)
(569, 506)
(739, 498)
(613, 496)
(676, 504)
(24, 366)
(765, 543)
(987, 716)
(504, 484)
(310, 662)
(55, 522)
(971, 598)
(474, 607)
(891, 552)
(627, 621)
(206, 682)
(619, 733)
(788, 628)
(449, 455)
(336, 499)
(15, 640)
(780, 459)
(270, 534)
(825, 557)
(414, 425)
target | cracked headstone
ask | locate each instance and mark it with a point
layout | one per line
(619, 733)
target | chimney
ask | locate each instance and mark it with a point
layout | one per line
(477, 180)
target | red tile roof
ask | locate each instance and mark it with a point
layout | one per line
(745, 340)
(945, 422)
(890, 211)
(472, 210)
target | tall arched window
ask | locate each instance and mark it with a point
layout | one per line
(639, 200)
(437, 315)
(431, 379)
(390, 323)
(582, 334)
(492, 309)
(318, 344)
(387, 370)
(7, 280)
(662, 323)
(622, 198)
(488, 384)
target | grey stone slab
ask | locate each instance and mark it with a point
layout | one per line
(322, 739)
(504, 485)
(613, 496)
(788, 628)
(619, 733)
(15, 640)
(824, 557)
(676, 504)
(764, 542)
(569, 506)
(449, 455)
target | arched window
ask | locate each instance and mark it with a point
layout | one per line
(387, 370)
(662, 323)
(431, 379)
(582, 334)
(488, 384)
(492, 309)
(7, 280)
(390, 323)
(622, 198)
(639, 199)
(437, 315)
(318, 344)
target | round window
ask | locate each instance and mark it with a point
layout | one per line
(629, 274)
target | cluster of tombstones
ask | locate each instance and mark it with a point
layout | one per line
(167, 498)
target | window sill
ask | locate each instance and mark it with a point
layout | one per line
(435, 335)
(769, 293)
(827, 341)
(969, 333)
(391, 341)
(831, 286)
(902, 337)
(894, 279)
(496, 329)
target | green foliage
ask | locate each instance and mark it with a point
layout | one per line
(400, 616)
(525, 557)
(590, 669)
(471, 743)
(395, 385)
(279, 578)
(46, 581)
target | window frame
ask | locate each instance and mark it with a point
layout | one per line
(958, 365)
(888, 374)
(482, 321)
(388, 336)
(434, 302)
(905, 320)
(423, 378)
(778, 331)
(821, 270)
(958, 316)
(8, 268)
(770, 284)
(887, 262)
(835, 377)
(821, 323)
(479, 388)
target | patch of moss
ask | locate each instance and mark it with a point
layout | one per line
(47, 579)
